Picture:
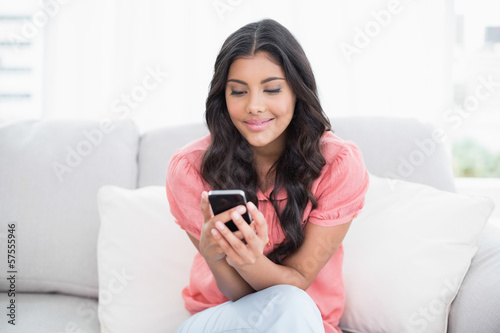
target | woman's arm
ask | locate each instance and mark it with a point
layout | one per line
(299, 269)
(228, 280)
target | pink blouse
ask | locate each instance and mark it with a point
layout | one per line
(340, 193)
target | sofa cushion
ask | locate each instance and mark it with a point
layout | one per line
(408, 250)
(50, 173)
(475, 309)
(51, 313)
(156, 148)
(144, 260)
(400, 148)
(406, 255)
(392, 147)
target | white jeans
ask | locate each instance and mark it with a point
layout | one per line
(279, 309)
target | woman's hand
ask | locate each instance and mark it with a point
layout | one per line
(238, 253)
(228, 280)
(209, 247)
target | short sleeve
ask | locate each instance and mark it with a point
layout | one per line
(184, 187)
(341, 188)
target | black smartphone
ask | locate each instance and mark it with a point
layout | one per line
(222, 200)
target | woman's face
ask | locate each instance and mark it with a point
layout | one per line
(260, 102)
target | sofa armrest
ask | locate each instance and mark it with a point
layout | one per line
(475, 308)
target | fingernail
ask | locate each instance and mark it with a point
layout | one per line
(241, 209)
(219, 225)
(251, 204)
(235, 216)
(214, 232)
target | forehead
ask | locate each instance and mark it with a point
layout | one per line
(257, 66)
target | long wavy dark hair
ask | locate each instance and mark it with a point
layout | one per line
(228, 162)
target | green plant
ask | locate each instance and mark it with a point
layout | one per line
(471, 159)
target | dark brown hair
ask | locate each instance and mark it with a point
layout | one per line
(228, 161)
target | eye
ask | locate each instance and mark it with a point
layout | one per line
(274, 91)
(237, 93)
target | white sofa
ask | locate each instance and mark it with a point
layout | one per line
(51, 172)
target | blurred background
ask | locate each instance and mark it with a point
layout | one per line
(152, 61)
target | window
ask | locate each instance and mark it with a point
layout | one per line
(476, 79)
(21, 60)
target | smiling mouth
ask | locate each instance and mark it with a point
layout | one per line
(257, 125)
(258, 122)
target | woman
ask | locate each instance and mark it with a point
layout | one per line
(269, 137)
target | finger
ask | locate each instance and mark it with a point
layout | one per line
(236, 244)
(229, 252)
(260, 222)
(240, 235)
(221, 241)
(226, 215)
(206, 210)
(243, 227)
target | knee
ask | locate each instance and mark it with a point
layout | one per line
(293, 310)
(294, 298)
(292, 293)
(289, 290)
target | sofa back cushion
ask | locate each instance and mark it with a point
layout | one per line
(50, 173)
(392, 147)
(401, 148)
(157, 146)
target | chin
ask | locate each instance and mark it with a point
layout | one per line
(256, 143)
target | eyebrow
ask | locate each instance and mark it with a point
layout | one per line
(262, 82)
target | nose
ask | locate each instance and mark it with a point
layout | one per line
(255, 105)
(255, 109)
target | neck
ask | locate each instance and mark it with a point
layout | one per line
(264, 159)
(265, 178)
(270, 153)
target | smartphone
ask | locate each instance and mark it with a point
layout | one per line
(222, 200)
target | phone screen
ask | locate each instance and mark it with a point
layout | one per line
(222, 200)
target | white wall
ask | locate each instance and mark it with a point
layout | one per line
(98, 52)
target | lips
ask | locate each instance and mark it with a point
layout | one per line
(258, 121)
(258, 124)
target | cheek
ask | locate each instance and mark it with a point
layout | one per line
(234, 107)
(284, 108)
(231, 109)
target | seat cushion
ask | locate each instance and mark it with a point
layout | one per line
(49, 313)
(50, 173)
